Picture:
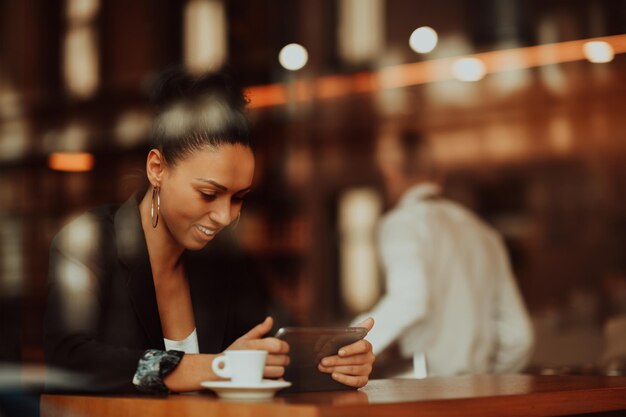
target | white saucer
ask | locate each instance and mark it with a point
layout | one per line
(227, 390)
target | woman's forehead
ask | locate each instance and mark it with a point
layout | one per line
(228, 165)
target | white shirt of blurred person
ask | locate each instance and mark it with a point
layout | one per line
(451, 299)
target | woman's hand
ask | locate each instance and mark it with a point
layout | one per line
(353, 363)
(277, 349)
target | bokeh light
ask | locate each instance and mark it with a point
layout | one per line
(598, 52)
(293, 57)
(423, 39)
(468, 69)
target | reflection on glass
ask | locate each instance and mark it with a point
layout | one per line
(561, 135)
(205, 35)
(80, 11)
(132, 127)
(11, 257)
(13, 140)
(81, 61)
(359, 210)
(78, 308)
(361, 30)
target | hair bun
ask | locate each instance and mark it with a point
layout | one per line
(176, 84)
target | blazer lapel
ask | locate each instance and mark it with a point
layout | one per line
(210, 296)
(133, 253)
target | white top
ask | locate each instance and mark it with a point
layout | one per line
(451, 296)
(188, 345)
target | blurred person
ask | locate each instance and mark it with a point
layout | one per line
(138, 296)
(451, 302)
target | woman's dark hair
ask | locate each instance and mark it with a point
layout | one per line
(197, 111)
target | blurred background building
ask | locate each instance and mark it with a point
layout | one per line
(523, 102)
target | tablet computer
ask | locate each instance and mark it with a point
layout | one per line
(307, 347)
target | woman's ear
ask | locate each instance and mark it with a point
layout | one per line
(155, 165)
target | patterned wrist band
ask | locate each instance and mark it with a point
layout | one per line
(153, 367)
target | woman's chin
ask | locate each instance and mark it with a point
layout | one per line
(196, 245)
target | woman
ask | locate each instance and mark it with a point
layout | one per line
(135, 299)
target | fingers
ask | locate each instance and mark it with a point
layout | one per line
(275, 366)
(368, 323)
(273, 371)
(352, 381)
(259, 330)
(277, 360)
(349, 360)
(358, 347)
(353, 365)
(353, 370)
(271, 344)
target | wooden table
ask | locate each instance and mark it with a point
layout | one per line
(486, 395)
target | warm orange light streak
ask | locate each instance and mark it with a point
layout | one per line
(417, 73)
(267, 95)
(333, 86)
(303, 90)
(71, 161)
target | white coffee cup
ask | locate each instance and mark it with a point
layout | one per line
(243, 367)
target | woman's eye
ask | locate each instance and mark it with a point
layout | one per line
(238, 199)
(208, 197)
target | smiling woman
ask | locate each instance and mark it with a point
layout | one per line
(212, 183)
(138, 298)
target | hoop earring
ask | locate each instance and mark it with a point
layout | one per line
(237, 220)
(155, 219)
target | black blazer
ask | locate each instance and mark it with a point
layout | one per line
(102, 312)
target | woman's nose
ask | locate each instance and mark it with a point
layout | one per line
(221, 215)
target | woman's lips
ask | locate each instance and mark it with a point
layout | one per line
(206, 231)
